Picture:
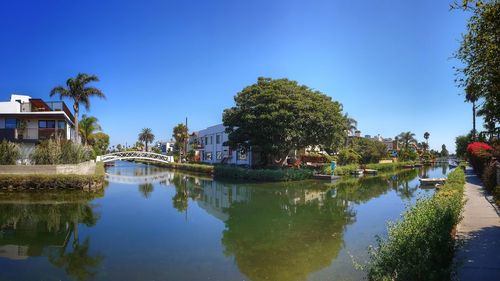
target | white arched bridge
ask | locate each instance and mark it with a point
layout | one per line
(135, 155)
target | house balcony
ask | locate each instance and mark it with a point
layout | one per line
(32, 134)
(38, 105)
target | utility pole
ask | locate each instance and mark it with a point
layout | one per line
(186, 139)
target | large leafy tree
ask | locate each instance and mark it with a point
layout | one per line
(146, 136)
(100, 142)
(88, 126)
(479, 53)
(371, 151)
(279, 115)
(180, 135)
(77, 90)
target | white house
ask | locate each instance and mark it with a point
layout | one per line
(214, 150)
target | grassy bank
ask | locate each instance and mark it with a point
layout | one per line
(421, 245)
(381, 167)
(40, 181)
(190, 167)
(239, 173)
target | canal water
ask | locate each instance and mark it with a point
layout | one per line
(153, 224)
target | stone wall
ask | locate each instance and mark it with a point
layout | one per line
(85, 168)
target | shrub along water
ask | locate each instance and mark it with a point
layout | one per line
(421, 245)
(240, 173)
(52, 152)
(381, 167)
(9, 153)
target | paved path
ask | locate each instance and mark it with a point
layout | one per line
(478, 256)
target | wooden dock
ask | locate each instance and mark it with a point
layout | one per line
(370, 171)
(432, 181)
(325, 177)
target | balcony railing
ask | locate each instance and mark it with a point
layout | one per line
(31, 134)
(46, 106)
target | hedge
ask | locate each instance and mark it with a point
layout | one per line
(381, 167)
(421, 245)
(240, 173)
(198, 168)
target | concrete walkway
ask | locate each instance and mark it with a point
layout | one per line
(478, 255)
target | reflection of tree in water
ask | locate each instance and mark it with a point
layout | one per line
(146, 189)
(185, 188)
(285, 233)
(77, 262)
(44, 224)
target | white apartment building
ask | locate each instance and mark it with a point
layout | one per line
(213, 149)
(28, 120)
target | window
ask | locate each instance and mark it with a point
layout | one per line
(242, 154)
(219, 155)
(206, 140)
(211, 139)
(217, 139)
(61, 125)
(10, 123)
(208, 155)
(47, 124)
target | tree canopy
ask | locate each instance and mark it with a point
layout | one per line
(279, 115)
(479, 53)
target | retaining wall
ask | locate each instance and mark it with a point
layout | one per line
(85, 168)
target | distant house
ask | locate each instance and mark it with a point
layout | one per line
(29, 120)
(213, 148)
(167, 147)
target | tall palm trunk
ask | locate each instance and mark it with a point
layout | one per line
(76, 108)
(473, 120)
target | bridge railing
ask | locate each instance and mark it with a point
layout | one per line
(124, 155)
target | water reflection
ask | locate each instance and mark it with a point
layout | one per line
(199, 228)
(37, 225)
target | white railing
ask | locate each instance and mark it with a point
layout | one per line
(132, 155)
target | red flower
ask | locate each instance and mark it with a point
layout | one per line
(478, 147)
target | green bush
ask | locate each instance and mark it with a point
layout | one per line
(9, 153)
(421, 245)
(240, 173)
(347, 156)
(380, 167)
(51, 152)
(198, 168)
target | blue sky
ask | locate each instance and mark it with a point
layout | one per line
(388, 62)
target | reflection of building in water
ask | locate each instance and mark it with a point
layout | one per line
(302, 196)
(24, 239)
(216, 197)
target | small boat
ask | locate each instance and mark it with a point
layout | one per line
(418, 165)
(370, 171)
(432, 181)
(408, 166)
(357, 172)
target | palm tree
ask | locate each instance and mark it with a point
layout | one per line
(146, 136)
(352, 126)
(471, 96)
(77, 90)
(426, 137)
(407, 138)
(180, 134)
(88, 126)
